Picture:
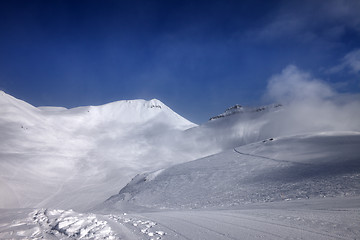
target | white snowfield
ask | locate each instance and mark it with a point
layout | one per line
(250, 173)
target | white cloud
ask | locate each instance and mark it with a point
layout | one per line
(311, 105)
(312, 20)
(294, 85)
(350, 62)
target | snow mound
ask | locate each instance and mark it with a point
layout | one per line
(276, 169)
(146, 227)
(58, 224)
(71, 224)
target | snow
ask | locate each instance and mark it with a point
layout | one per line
(64, 157)
(333, 218)
(287, 168)
(251, 173)
(44, 223)
(264, 222)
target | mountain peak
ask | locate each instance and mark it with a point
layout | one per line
(236, 109)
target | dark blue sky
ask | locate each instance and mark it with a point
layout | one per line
(198, 57)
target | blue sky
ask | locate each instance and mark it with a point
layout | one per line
(198, 57)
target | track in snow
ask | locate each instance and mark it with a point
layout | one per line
(320, 219)
(255, 224)
(272, 159)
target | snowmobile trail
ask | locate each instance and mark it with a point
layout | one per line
(254, 224)
(319, 219)
(122, 232)
(272, 159)
(188, 228)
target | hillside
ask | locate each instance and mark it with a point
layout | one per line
(248, 172)
(277, 169)
(53, 156)
(77, 157)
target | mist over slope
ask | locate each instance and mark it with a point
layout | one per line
(287, 168)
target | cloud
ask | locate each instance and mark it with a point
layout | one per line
(294, 85)
(311, 105)
(312, 20)
(351, 62)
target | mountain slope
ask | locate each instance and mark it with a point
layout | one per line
(77, 157)
(53, 158)
(288, 168)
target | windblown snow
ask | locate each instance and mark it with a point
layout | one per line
(137, 170)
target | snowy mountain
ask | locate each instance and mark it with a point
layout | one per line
(287, 168)
(53, 156)
(236, 126)
(76, 158)
(64, 157)
(271, 166)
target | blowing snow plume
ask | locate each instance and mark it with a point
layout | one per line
(311, 105)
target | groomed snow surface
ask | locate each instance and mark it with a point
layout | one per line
(137, 170)
(331, 218)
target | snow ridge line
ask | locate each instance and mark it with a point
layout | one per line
(272, 159)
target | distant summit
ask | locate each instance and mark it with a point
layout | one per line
(240, 109)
